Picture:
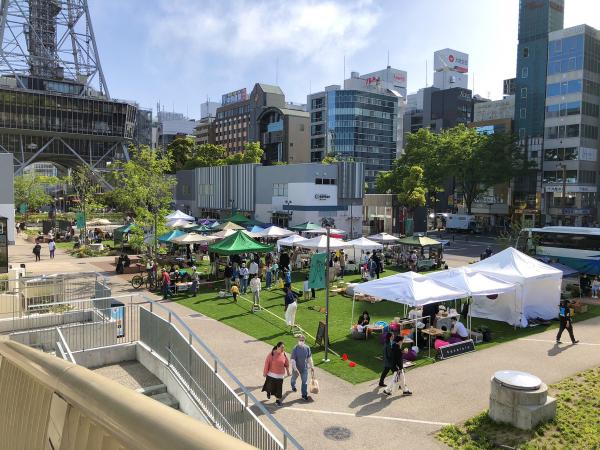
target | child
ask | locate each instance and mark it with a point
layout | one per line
(235, 290)
(268, 275)
(288, 277)
(306, 289)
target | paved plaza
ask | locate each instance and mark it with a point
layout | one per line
(360, 416)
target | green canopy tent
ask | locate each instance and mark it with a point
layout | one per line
(228, 226)
(306, 226)
(199, 229)
(238, 218)
(237, 243)
(119, 233)
(424, 242)
(418, 241)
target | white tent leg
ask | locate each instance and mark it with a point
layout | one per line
(352, 318)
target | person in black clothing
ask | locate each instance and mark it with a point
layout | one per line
(364, 319)
(388, 361)
(431, 310)
(397, 368)
(377, 261)
(37, 249)
(227, 275)
(284, 261)
(565, 322)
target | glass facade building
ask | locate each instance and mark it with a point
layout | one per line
(355, 125)
(572, 125)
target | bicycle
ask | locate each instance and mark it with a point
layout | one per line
(138, 280)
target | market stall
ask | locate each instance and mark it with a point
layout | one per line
(179, 215)
(429, 253)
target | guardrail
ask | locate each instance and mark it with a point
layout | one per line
(46, 402)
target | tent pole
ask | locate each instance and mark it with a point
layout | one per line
(352, 318)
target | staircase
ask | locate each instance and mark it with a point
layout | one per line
(160, 394)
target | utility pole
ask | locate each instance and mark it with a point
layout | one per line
(327, 223)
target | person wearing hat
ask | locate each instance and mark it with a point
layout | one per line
(564, 314)
(301, 359)
(195, 281)
(166, 283)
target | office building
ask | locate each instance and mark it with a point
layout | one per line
(208, 109)
(358, 122)
(143, 127)
(572, 125)
(205, 131)
(265, 117)
(172, 128)
(509, 87)
(278, 194)
(451, 69)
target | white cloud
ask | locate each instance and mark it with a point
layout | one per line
(230, 39)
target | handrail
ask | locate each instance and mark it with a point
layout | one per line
(66, 347)
(132, 418)
(288, 438)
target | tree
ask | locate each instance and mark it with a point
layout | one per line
(85, 184)
(182, 149)
(252, 154)
(30, 190)
(330, 159)
(206, 155)
(145, 187)
(480, 161)
(412, 192)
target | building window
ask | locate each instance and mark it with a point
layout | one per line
(523, 113)
(524, 72)
(522, 133)
(301, 127)
(325, 181)
(524, 92)
(280, 189)
(525, 52)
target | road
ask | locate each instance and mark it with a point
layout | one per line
(464, 248)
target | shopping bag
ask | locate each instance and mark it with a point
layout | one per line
(314, 386)
(280, 283)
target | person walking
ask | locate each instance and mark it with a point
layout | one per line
(228, 274)
(301, 359)
(149, 268)
(275, 368)
(235, 291)
(51, 248)
(398, 369)
(166, 284)
(291, 305)
(388, 360)
(342, 263)
(253, 269)
(564, 313)
(268, 275)
(37, 250)
(244, 274)
(195, 281)
(255, 286)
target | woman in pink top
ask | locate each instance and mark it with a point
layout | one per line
(276, 367)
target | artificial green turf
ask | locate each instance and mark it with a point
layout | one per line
(69, 245)
(265, 327)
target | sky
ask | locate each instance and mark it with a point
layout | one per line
(181, 52)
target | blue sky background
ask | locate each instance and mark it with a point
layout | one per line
(179, 52)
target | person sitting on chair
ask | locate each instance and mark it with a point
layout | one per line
(459, 330)
(364, 319)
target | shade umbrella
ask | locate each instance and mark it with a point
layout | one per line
(275, 232)
(238, 243)
(290, 241)
(194, 238)
(320, 243)
(228, 226)
(178, 223)
(238, 218)
(306, 226)
(179, 215)
(167, 237)
(384, 238)
(419, 241)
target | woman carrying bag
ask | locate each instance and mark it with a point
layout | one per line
(398, 369)
(275, 370)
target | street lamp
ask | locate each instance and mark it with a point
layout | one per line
(327, 223)
(231, 203)
(289, 210)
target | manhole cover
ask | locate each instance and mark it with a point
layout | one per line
(196, 316)
(337, 433)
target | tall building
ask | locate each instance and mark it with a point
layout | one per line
(263, 116)
(572, 127)
(537, 18)
(205, 131)
(208, 109)
(358, 122)
(451, 69)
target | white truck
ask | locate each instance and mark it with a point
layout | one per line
(462, 223)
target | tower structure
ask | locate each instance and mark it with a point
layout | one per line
(54, 100)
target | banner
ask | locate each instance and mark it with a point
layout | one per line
(80, 218)
(316, 276)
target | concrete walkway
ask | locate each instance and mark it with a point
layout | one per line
(360, 416)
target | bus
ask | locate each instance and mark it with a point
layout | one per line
(576, 247)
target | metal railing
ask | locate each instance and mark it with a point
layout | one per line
(124, 319)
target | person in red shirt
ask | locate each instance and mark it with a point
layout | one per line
(166, 284)
(275, 369)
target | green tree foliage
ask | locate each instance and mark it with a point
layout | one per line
(412, 192)
(252, 154)
(30, 189)
(182, 150)
(187, 155)
(206, 155)
(86, 185)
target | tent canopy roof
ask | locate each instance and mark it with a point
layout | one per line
(179, 215)
(419, 241)
(475, 283)
(512, 265)
(291, 240)
(365, 244)
(228, 226)
(167, 237)
(178, 223)
(320, 243)
(410, 289)
(238, 218)
(383, 238)
(275, 231)
(238, 243)
(306, 226)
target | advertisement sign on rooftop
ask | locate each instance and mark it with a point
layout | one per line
(234, 97)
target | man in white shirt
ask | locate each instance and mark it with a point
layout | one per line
(255, 288)
(244, 273)
(459, 330)
(253, 269)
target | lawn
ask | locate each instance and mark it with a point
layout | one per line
(270, 327)
(69, 245)
(576, 426)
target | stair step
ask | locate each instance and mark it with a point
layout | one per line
(166, 399)
(153, 390)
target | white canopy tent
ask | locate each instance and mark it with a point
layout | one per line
(194, 238)
(363, 244)
(178, 223)
(290, 241)
(223, 234)
(253, 235)
(320, 243)
(179, 215)
(383, 238)
(538, 295)
(274, 232)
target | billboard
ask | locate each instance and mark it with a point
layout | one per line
(234, 97)
(448, 59)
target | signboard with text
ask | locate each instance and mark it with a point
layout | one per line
(234, 97)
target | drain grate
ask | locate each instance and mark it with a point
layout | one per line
(337, 433)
